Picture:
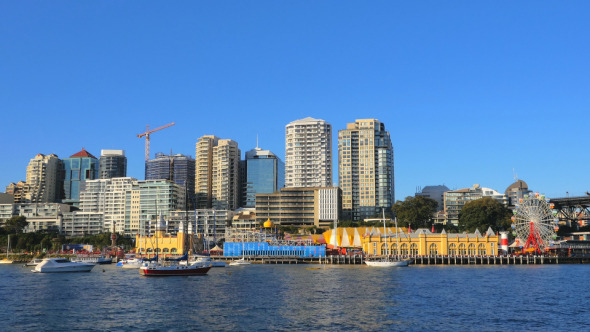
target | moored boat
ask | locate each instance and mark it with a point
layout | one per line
(56, 265)
(6, 260)
(156, 270)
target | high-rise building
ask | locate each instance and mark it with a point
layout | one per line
(78, 168)
(308, 153)
(264, 174)
(177, 168)
(112, 164)
(217, 173)
(365, 169)
(44, 179)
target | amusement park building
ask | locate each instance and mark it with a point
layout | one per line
(420, 243)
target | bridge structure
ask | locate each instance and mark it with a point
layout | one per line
(573, 210)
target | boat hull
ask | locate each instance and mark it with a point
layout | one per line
(5, 261)
(388, 263)
(176, 270)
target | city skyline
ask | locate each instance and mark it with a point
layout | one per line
(468, 92)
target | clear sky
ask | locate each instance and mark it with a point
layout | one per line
(469, 90)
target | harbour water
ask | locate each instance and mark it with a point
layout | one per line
(300, 298)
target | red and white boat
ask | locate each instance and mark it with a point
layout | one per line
(155, 270)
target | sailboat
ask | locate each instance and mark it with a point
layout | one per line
(7, 261)
(241, 261)
(387, 261)
(156, 269)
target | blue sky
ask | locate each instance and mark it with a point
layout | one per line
(469, 90)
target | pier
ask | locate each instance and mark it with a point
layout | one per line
(419, 260)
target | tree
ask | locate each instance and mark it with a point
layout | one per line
(416, 211)
(484, 213)
(16, 224)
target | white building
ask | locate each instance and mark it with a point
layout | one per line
(308, 153)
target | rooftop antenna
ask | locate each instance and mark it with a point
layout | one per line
(256, 141)
(514, 175)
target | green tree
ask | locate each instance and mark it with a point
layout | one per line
(416, 211)
(16, 224)
(483, 213)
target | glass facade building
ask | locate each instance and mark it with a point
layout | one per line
(78, 168)
(265, 174)
(177, 168)
(365, 169)
(112, 164)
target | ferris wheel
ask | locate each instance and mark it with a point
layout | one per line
(535, 221)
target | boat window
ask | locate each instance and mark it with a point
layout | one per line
(61, 261)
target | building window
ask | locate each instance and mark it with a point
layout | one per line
(404, 249)
(452, 249)
(481, 249)
(433, 249)
(462, 249)
(414, 249)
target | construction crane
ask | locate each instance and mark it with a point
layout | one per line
(147, 137)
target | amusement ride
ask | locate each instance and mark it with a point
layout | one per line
(535, 220)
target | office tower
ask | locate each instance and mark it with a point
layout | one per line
(365, 169)
(43, 178)
(112, 164)
(78, 168)
(308, 153)
(177, 168)
(217, 173)
(264, 174)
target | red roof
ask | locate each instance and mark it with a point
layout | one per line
(83, 154)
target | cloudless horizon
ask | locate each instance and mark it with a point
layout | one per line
(470, 92)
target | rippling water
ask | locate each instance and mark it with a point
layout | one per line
(297, 298)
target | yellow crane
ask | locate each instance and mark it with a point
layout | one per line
(147, 137)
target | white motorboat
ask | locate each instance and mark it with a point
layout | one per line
(92, 259)
(131, 261)
(207, 260)
(55, 265)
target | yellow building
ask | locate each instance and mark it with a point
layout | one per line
(161, 243)
(420, 243)
(425, 243)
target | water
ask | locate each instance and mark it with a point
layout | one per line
(300, 298)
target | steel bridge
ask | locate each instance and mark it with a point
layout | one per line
(573, 210)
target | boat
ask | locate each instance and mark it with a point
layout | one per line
(207, 259)
(131, 261)
(34, 262)
(93, 259)
(157, 268)
(387, 261)
(56, 265)
(6, 260)
(242, 261)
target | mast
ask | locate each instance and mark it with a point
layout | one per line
(385, 231)
(397, 236)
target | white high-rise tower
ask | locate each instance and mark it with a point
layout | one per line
(308, 153)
